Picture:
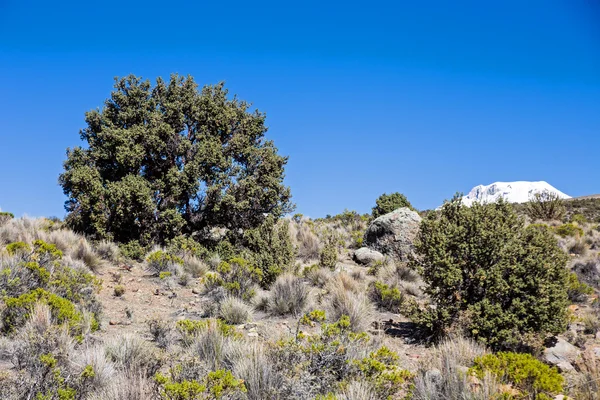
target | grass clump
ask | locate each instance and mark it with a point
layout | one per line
(218, 384)
(568, 230)
(235, 311)
(385, 296)
(159, 262)
(289, 295)
(237, 277)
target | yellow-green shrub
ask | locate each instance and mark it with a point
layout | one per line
(526, 373)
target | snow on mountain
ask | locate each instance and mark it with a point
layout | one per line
(513, 192)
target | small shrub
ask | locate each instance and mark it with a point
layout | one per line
(526, 373)
(568, 229)
(160, 261)
(271, 249)
(329, 256)
(237, 277)
(184, 279)
(579, 219)
(386, 297)
(194, 266)
(235, 311)
(84, 252)
(578, 291)
(133, 355)
(119, 290)
(316, 275)
(289, 295)
(18, 248)
(216, 385)
(133, 250)
(545, 206)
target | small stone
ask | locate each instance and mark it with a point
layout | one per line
(195, 291)
(113, 322)
(565, 366)
(252, 334)
(250, 326)
(134, 290)
(139, 279)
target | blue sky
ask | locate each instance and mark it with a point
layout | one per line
(426, 99)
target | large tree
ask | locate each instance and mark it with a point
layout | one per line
(171, 159)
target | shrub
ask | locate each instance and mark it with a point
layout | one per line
(238, 277)
(84, 252)
(568, 229)
(577, 291)
(484, 268)
(386, 297)
(261, 378)
(579, 219)
(329, 255)
(133, 250)
(194, 266)
(5, 217)
(216, 385)
(546, 206)
(289, 295)
(18, 248)
(18, 309)
(386, 203)
(161, 332)
(526, 373)
(316, 275)
(235, 311)
(160, 261)
(578, 248)
(119, 290)
(270, 249)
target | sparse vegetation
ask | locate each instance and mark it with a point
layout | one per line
(386, 203)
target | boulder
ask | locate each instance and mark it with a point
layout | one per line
(366, 256)
(561, 353)
(393, 234)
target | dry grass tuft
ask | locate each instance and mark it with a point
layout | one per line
(234, 311)
(356, 306)
(289, 295)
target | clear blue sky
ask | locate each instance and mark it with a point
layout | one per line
(365, 98)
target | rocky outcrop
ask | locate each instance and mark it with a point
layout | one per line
(366, 256)
(562, 354)
(393, 234)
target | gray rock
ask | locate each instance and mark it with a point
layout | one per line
(366, 256)
(561, 352)
(394, 233)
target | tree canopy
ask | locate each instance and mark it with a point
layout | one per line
(169, 159)
(386, 203)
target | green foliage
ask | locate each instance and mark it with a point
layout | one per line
(504, 282)
(186, 246)
(311, 317)
(568, 229)
(18, 309)
(545, 206)
(171, 159)
(385, 296)
(238, 277)
(526, 373)
(133, 250)
(189, 329)
(18, 248)
(329, 254)
(579, 219)
(119, 290)
(216, 385)
(160, 261)
(5, 216)
(271, 249)
(386, 203)
(381, 369)
(578, 291)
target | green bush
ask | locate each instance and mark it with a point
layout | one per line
(386, 203)
(524, 372)
(216, 385)
(17, 248)
(579, 219)
(18, 309)
(238, 277)
(271, 249)
(329, 254)
(160, 262)
(385, 296)
(568, 229)
(546, 206)
(504, 282)
(578, 291)
(119, 290)
(133, 250)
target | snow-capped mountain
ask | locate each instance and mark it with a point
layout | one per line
(513, 192)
